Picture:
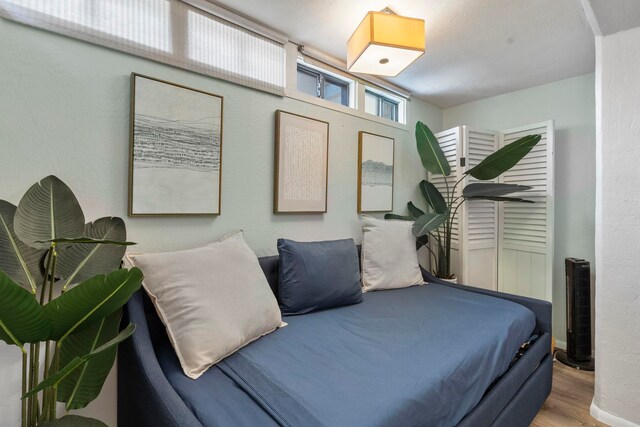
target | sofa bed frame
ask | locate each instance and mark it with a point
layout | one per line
(146, 398)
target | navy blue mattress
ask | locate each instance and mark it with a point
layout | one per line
(421, 356)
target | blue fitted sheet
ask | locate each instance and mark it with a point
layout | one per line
(421, 356)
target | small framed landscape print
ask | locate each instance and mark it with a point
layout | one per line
(375, 173)
(301, 164)
(176, 149)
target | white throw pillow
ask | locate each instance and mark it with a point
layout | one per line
(389, 257)
(213, 300)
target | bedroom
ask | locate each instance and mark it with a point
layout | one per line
(76, 75)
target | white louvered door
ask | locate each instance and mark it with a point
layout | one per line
(451, 142)
(479, 241)
(525, 259)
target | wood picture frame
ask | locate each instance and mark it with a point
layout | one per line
(175, 160)
(301, 173)
(376, 164)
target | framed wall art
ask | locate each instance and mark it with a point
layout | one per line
(176, 149)
(375, 173)
(301, 164)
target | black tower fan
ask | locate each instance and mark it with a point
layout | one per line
(578, 354)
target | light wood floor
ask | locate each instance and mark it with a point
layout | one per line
(568, 404)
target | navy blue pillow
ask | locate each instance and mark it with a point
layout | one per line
(318, 275)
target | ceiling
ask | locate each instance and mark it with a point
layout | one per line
(475, 48)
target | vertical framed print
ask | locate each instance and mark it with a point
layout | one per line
(301, 164)
(375, 173)
(176, 149)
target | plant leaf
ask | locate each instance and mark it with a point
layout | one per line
(19, 261)
(427, 222)
(90, 301)
(84, 385)
(90, 241)
(422, 241)
(504, 159)
(22, 319)
(501, 199)
(414, 210)
(399, 217)
(492, 189)
(73, 421)
(48, 210)
(55, 379)
(80, 262)
(433, 197)
(431, 154)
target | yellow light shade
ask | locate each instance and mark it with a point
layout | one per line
(385, 44)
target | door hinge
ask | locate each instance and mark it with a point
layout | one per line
(463, 162)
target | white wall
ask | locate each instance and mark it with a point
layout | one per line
(618, 229)
(571, 104)
(64, 110)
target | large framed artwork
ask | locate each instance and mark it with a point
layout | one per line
(176, 149)
(375, 173)
(301, 164)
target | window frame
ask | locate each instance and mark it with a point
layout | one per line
(356, 106)
(380, 101)
(322, 77)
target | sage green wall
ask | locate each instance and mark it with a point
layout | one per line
(571, 104)
(64, 110)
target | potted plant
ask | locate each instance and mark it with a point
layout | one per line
(436, 224)
(61, 297)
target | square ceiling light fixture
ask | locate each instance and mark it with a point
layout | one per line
(385, 43)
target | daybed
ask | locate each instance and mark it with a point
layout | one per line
(438, 354)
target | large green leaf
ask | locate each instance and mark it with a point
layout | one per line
(81, 261)
(427, 222)
(84, 385)
(492, 189)
(414, 210)
(77, 362)
(90, 301)
(504, 159)
(21, 262)
(399, 217)
(73, 421)
(431, 154)
(22, 318)
(501, 199)
(433, 197)
(48, 210)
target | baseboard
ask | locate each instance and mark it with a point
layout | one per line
(608, 418)
(561, 344)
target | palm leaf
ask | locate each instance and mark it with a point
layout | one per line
(504, 159)
(84, 385)
(97, 252)
(492, 189)
(433, 196)
(54, 380)
(22, 319)
(431, 154)
(19, 261)
(414, 210)
(48, 210)
(427, 222)
(90, 301)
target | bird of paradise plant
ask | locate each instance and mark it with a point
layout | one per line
(436, 225)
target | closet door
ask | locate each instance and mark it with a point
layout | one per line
(451, 142)
(525, 260)
(479, 218)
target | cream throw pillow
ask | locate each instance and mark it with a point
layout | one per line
(389, 257)
(213, 300)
